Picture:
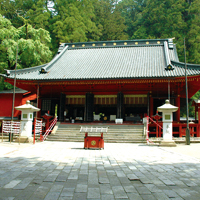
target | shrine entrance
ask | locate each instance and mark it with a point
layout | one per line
(135, 113)
(135, 106)
(105, 112)
(107, 108)
(74, 108)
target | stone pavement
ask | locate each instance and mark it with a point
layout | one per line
(61, 170)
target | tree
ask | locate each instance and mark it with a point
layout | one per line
(109, 20)
(193, 35)
(131, 11)
(73, 21)
(37, 13)
(162, 19)
(32, 46)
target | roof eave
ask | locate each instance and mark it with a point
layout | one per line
(181, 64)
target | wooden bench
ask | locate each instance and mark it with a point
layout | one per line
(94, 141)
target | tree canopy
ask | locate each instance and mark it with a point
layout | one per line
(98, 20)
(39, 26)
(25, 45)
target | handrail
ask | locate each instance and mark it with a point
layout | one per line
(155, 122)
(147, 128)
(179, 128)
(49, 129)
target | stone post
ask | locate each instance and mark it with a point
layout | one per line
(26, 122)
(167, 116)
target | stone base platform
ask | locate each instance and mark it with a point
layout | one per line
(23, 139)
(164, 143)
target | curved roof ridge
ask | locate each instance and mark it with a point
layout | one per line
(166, 52)
(181, 64)
(110, 61)
(44, 69)
(175, 52)
(25, 70)
(117, 43)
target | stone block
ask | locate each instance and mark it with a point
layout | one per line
(165, 143)
(24, 139)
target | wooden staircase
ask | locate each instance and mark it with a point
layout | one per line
(116, 133)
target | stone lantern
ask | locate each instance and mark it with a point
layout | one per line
(167, 117)
(26, 121)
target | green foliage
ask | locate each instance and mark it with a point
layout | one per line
(131, 11)
(93, 20)
(190, 106)
(194, 32)
(25, 21)
(109, 20)
(74, 21)
(28, 44)
(147, 19)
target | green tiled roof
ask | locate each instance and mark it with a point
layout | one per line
(111, 60)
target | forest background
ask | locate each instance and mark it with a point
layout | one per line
(35, 28)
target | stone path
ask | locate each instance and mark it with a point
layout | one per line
(59, 170)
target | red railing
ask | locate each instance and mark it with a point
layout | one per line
(147, 128)
(52, 124)
(179, 129)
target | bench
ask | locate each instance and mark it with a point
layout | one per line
(94, 141)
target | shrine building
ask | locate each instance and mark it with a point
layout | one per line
(102, 81)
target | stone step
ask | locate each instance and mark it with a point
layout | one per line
(116, 133)
(97, 133)
(105, 141)
(105, 136)
(110, 131)
(81, 137)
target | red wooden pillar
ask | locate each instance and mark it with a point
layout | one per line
(178, 111)
(196, 104)
(39, 106)
(180, 130)
(196, 109)
(150, 106)
(34, 130)
(198, 114)
(159, 130)
(198, 129)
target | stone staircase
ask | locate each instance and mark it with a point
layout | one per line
(116, 133)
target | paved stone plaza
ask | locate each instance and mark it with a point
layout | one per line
(59, 170)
